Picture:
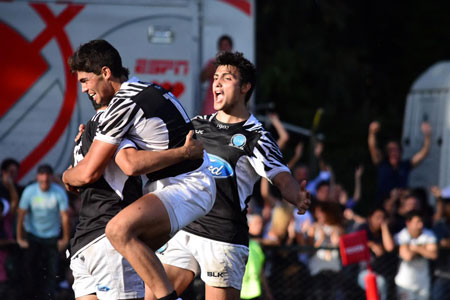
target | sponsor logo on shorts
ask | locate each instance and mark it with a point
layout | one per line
(215, 274)
(102, 288)
(219, 167)
(162, 249)
(238, 141)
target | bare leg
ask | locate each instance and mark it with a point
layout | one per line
(216, 293)
(147, 220)
(180, 278)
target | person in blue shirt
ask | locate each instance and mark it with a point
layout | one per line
(43, 210)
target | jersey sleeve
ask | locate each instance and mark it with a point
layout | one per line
(116, 120)
(125, 143)
(267, 159)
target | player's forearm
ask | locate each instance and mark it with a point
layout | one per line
(139, 162)
(288, 187)
(80, 175)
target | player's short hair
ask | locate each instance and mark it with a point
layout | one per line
(246, 69)
(8, 162)
(94, 55)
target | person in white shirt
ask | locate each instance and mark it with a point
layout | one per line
(417, 245)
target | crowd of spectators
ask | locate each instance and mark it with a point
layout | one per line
(408, 238)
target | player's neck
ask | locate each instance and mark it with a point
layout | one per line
(234, 116)
(117, 83)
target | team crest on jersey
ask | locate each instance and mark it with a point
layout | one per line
(238, 141)
(219, 167)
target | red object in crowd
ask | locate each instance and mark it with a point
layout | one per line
(354, 247)
(371, 286)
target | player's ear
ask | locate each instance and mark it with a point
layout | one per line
(106, 72)
(245, 87)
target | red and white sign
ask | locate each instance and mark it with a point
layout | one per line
(354, 247)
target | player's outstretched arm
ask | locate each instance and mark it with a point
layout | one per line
(292, 191)
(92, 166)
(135, 162)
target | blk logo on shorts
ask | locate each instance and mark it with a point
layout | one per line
(215, 274)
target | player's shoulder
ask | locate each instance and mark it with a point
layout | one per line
(254, 125)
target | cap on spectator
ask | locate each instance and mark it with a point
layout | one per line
(45, 168)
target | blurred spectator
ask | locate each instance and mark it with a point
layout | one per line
(8, 186)
(393, 172)
(7, 243)
(254, 283)
(281, 227)
(417, 246)
(380, 241)
(42, 211)
(224, 43)
(325, 264)
(441, 284)
(406, 203)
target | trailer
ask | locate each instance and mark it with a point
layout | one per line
(429, 100)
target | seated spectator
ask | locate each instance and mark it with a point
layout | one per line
(417, 246)
(380, 241)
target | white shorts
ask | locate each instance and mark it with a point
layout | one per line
(221, 264)
(186, 197)
(99, 269)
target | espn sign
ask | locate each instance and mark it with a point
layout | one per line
(353, 247)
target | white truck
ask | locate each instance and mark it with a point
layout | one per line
(162, 41)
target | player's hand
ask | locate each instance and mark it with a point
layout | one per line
(304, 199)
(68, 187)
(81, 128)
(193, 148)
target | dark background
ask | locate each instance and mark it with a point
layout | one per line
(355, 59)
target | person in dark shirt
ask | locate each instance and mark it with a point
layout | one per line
(393, 171)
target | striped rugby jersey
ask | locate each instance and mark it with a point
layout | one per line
(239, 153)
(150, 117)
(103, 199)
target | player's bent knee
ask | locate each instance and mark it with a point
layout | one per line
(117, 233)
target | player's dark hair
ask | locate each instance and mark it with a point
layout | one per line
(224, 37)
(245, 67)
(96, 54)
(8, 162)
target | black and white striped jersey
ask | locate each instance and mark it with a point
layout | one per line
(239, 153)
(152, 118)
(104, 198)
